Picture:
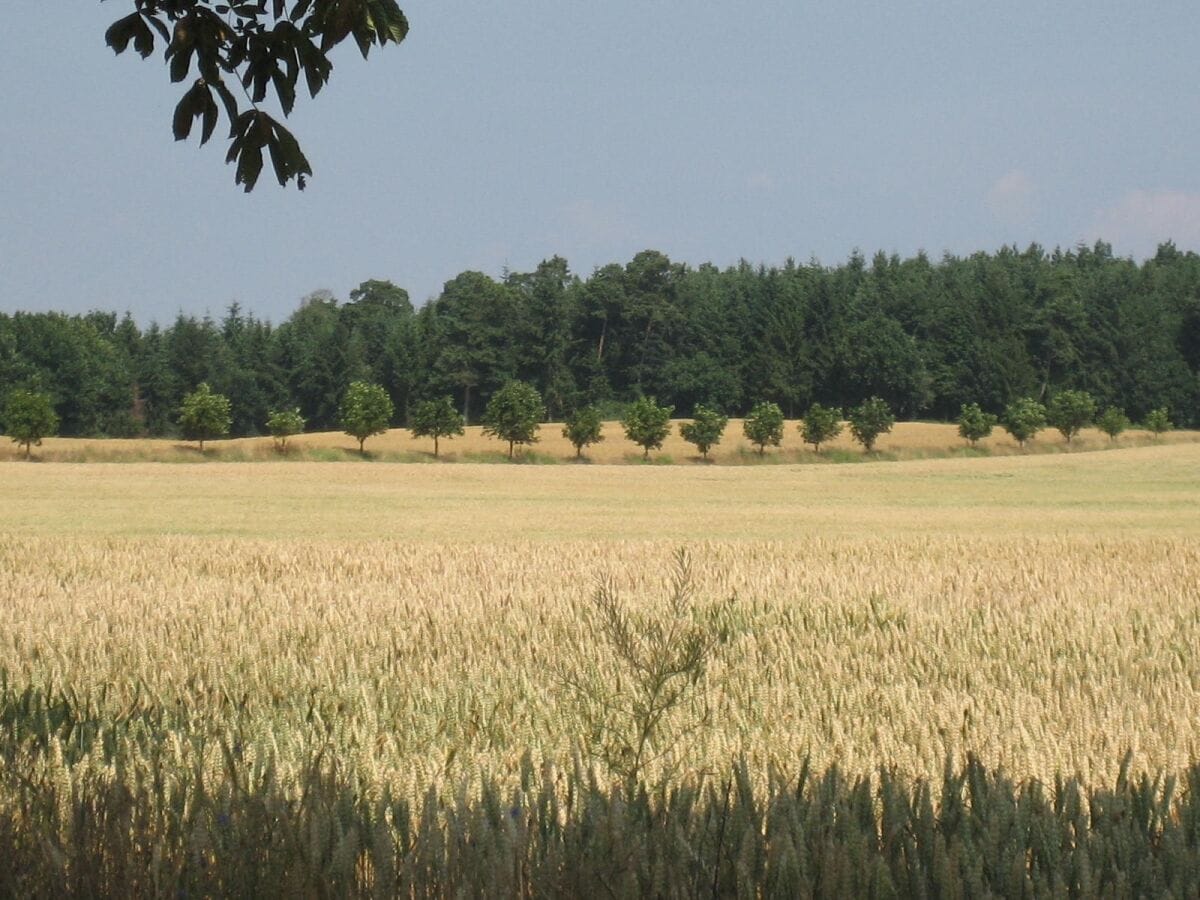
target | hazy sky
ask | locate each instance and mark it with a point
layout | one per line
(499, 134)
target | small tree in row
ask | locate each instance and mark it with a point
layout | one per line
(869, 421)
(704, 430)
(1070, 412)
(366, 410)
(29, 417)
(763, 427)
(1112, 422)
(583, 428)
(1023, 419)
(204, 415)
(283, 424)
(647, 424)
(1158, 421)
(820, 426)
(435, 419)
(974, 424)
(513, 414)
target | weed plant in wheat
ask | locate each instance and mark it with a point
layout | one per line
(636, 717)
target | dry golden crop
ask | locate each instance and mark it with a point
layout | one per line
(1042, 611)
(908, 440)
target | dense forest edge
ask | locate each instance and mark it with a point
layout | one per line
(927, 337)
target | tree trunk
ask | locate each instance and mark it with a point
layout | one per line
(510, 449)
(435, 446)
(361, 449)
(28, 448)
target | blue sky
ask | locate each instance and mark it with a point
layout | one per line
(501, 134)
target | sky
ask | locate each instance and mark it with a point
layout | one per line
(500, 134)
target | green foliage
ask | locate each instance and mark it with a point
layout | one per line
(763, 426)
(366, 409)
(283, 424)
(247, 50)
(646, 709)
(974, 424)
(583, 428)
(1158, 421)
(932, 337)
(1070, 412)
(1112, 422)
(513, 414)
(204, 415)
(647, 424)
(869, 420)
(820, 425)
(704, 430)
(1023, 419)
(28, 418)
(435, 419)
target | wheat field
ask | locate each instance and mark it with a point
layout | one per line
(421, 623)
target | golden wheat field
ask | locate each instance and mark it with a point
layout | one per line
(422, 623)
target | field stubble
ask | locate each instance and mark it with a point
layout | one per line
(907, 440)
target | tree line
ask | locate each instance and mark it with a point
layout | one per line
(927, 338)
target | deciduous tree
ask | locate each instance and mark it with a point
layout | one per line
(647, 424)
(763, 427)
(869, 420)
(366, 409)
(974, 424)
(435, 419)
(1023, 419)
(705, 429)
(820, 425)
(583, 427)
(283, 424)
(28, 418)
(1158, 421)
(1112, 422)
(513, 414)
(1070, 412)
(204, 415)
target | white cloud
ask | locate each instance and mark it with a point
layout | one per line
(1012, 198)
(760, 181)
(1141, 220)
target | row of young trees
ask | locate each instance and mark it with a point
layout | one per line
(515, 412)
(925, 336)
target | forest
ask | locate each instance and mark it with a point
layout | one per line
(926, 336)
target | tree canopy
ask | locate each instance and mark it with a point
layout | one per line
(436, 419)
(513, 414)
(763, 425)
(365, 410)
(204, 415)
(987, 329)
(28, 417)
(647, 424)
(249, 51)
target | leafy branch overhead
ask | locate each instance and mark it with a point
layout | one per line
(241, 52)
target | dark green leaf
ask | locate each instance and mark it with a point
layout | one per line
(130, 28)
(250, 163)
